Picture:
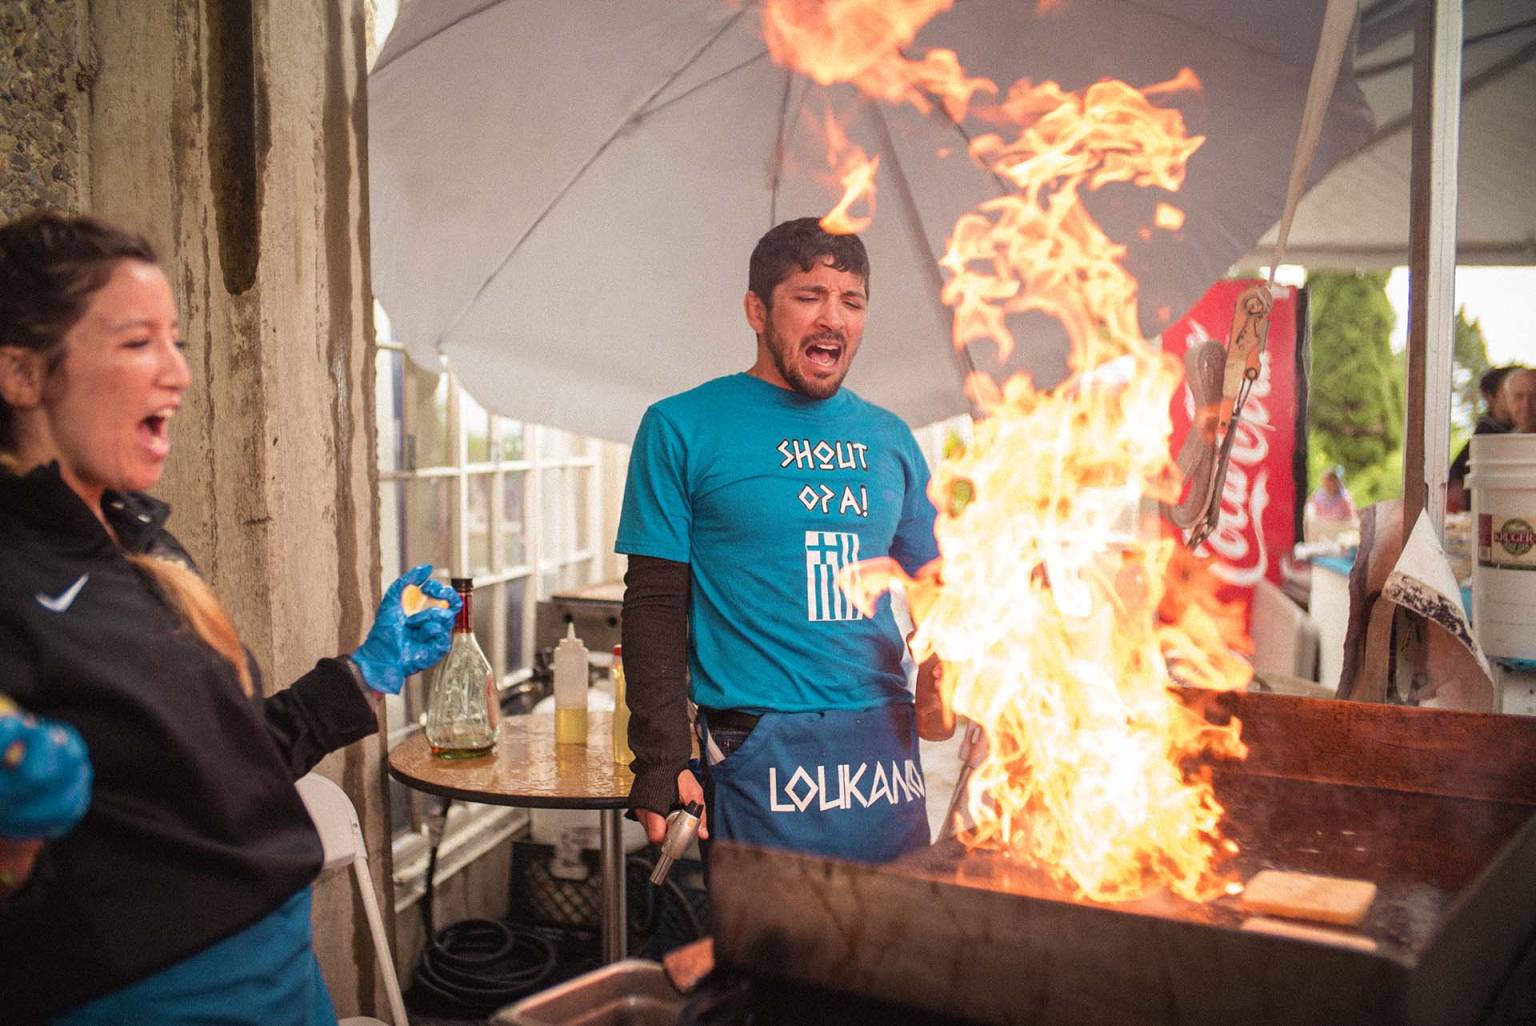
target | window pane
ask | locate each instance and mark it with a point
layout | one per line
(511, 439)
(556, 524)
(394, 713)
(388, 386)
(428, 523)
(485, 617)
(392, 529)
(480, 523)
(555, 444)
(579, 483)
(477, 429)
(516, 608)
(552, 582)
(514, 537)
(383, 330)
(408, 707)
(401, 815)
(427, 442)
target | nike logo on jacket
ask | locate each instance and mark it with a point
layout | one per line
(64, 599)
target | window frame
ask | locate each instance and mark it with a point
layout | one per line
(579, 560)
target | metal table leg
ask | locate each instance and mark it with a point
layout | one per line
(615, 914)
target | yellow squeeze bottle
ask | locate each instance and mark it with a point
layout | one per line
(621, 753)
(570, 689)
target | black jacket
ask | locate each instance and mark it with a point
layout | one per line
(1463, 461)
(194, 830)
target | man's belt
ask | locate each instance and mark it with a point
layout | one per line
(730, 719)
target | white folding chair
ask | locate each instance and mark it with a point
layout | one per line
(342, 838)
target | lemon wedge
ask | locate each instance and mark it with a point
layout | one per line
(413, 600)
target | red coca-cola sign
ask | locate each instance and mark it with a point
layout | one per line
(1258, 501)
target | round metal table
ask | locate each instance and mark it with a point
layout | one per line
(527, 769)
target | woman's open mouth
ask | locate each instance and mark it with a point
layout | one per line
(154, 432)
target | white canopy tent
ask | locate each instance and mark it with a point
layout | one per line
(1358, 216)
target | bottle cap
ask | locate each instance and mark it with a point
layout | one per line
(570, 642)
(618, 651)
(462, 583)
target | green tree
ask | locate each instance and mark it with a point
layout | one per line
(1470, 359)
(1355, 395)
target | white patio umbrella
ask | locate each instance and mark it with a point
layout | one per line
(565, 192)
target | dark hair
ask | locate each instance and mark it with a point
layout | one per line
(1492, 379)
(802, 243)
(50, 264)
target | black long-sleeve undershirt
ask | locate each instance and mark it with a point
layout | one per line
(655, 637)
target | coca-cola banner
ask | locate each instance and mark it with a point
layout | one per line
(1260, 499)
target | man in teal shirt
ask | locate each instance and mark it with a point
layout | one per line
(746, 498)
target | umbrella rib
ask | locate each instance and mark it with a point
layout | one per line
(1003, 189)
(1402, 62)
(915, 219)
(580, 172)
(1152, 7)
(779, 146)
(428, 38)
(707, 82)
(1470, 86)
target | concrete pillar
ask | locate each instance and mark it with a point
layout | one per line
(233, 134)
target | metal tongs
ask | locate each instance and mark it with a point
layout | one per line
(1220, 380)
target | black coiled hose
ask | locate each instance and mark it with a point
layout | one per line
(476, 966)
(652, 911)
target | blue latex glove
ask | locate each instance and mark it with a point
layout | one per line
(399, 645)
(45, 777)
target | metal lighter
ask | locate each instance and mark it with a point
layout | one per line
(682, 828)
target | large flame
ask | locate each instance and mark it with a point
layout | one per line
(860, 41)
(1044, 606)
(856, 170)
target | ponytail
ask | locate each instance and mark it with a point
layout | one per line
(199, 609)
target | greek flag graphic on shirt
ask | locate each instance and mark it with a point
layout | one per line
(826, 553)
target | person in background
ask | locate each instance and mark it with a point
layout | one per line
(745, 498)
(183, 893)
(1329, 509)
(1519, 395)
(1496, 420)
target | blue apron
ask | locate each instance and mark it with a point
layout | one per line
(845, 783)
(265, 975)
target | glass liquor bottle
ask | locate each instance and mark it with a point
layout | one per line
(463, 707)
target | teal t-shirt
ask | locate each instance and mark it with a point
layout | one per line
(767, 494)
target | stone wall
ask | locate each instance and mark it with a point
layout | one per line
(43, 78)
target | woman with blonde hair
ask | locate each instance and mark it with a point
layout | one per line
(182, 895)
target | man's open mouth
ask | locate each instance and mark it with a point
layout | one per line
(824, 353)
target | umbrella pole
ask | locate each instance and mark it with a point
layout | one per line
(1432, 255)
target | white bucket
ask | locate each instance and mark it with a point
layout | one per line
(1502, 479)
